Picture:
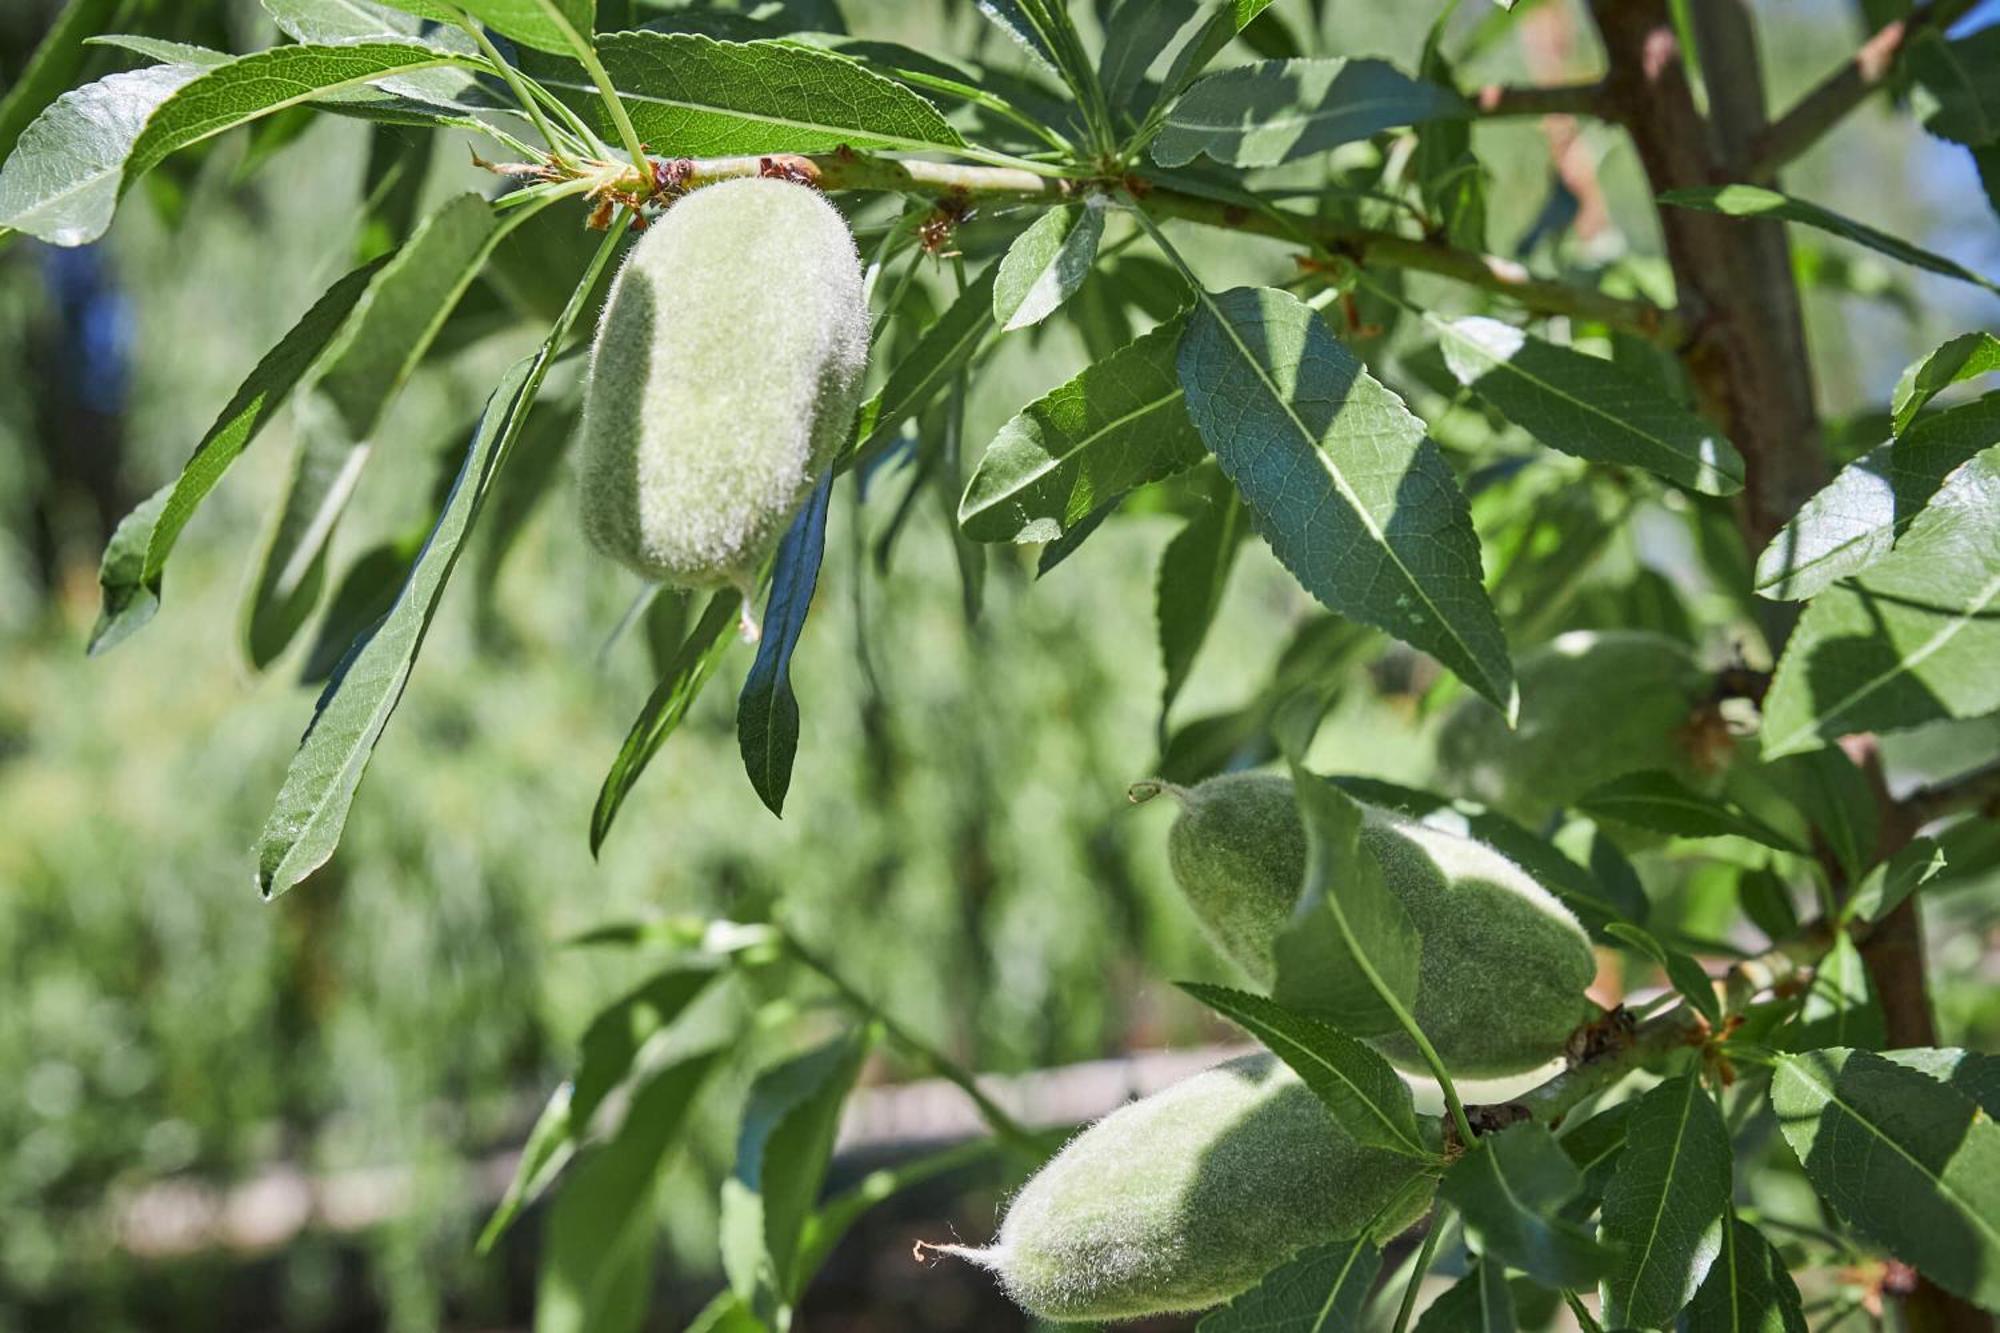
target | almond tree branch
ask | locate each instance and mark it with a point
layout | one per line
(1562, 99)
(848, 170)
(1812, 116)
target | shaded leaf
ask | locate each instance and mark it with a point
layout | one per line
(1280, 110)
(1506, 1188)
(1226, 19)
(1586, 406)
(1350, 954)
(1479, 1302)
(680, 684)
(1833, 794)
(1136, 34)
(598, 1242)
(1342, 480)
(1907, 1161)
(1748, 1289)
(1118, 425)
(1859, 515)
(1840, 1009)
(1047, 263)
(1657, 800)
(1667, 1204)
(54, 65)
(1595, 1146)
(1682, 971)
(1911, 639)
(1963, 74)
(1194, 571)
(1756, 201)
(1365, 1095)
(1319, 1291)
(1884, 887)
(767, 711)
(692, 96)
(1974, 1073)
(781, 1158)
(943, 350)
(1965, 357)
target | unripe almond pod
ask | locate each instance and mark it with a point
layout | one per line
(725, 376)
(1500, 985)
(1595, 705)
(1186, 1198)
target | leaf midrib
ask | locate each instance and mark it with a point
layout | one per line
(1659, 1209)
(1056, 461)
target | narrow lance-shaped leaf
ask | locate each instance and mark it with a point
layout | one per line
(1047, 263)
(339, 21)
(1319, 1291)
(692, 96)
(1870, 503)
(1683, 972)
(1841, 1008)
(767, 711)
(1137, 33)
(1911, 640)
(54, 65)
(1353, 497)
(378, 348)
(306, 820)
(1963, 74)
(1667, 1204)
(1748, 1289)
(1507, 1187)
(1657, 800)
(1907, 1161)
(1194, 571)
(781, 1158)
(1585, 405)
(943, 350)
(546, 25)
(1118, 425)
(1350, 954)
(1883, 889)
(135, 559)
(1479, 1302)
(1281, 110)
(1365, 1095)
(680, 684)
(1756, 201)
(1965, 357)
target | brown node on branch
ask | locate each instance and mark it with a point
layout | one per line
(789, 167)
(1600, 1038)
(934, 233)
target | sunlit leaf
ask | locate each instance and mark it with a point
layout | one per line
(1281, 110)
(1046, 264)
(1667, 1204)
(1319, 1291)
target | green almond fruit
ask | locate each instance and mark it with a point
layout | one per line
(1184, 1199)
(724, 379)
(1500, 984)
(1595, 705)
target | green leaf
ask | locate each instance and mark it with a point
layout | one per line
(1667, 1204)
(1595, 1147)
(1907, 1161)
(135, 559)
(1748, 1289)
(1767, 901)
(1194, 572)
(943, 350)
(1281, 110)
(1319, 1291)
(1118, 425)
(1756, 202)
(378, 348)
(1963, 74)
(62, 182)
(1867, 507)
(1136, 34)
(596, 1249)
(692, 96)
(781, 1158)
(1506, 1187)
(1047, 263)
(837, 1215)
(1364, 1094)
(551, 1144)
(1833, 794)
(1597, 899)
(1965, 357)
(546, 25)
(1682, 971)
(1342, 481)
(1912, 639)
(1586, 406)
(311, 808)
(53, 67)
(1657, 800)
(1973, 1073)
(1010, 18)
(680, 684)
(1840, 1009)
(1884, 887)
(1350, 954)
(767, 711)
(1226, 19)
(1452, 183)
(1479, 1302)
(341, 21)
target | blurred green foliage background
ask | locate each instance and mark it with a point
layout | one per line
(956, 835)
